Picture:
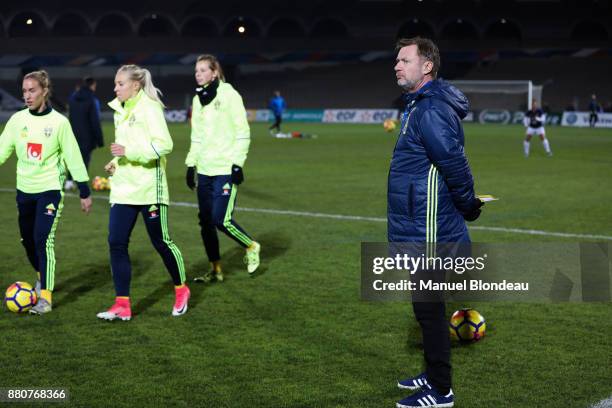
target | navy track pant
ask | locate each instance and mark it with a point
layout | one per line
(216, 200)
(39, 215)
(122, 220)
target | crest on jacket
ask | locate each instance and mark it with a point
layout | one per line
(153, 212)
(48, 130)
(226, 189)
(50, 210)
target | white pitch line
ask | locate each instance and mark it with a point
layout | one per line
(374, 219)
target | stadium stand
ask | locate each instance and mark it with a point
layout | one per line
(316, 48)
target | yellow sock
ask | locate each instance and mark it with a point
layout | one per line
(252, 246)
(38, 273)
(216, 266)
(179, 286)
(46, 294)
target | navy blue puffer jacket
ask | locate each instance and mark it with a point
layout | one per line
(430, 183)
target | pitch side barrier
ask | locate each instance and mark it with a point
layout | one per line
(373, 116)
(581, 119)
(493, 116)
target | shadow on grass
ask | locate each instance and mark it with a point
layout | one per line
(152, 298)
(92, 277)
(197, 289)
(273, 244)
(229, 260)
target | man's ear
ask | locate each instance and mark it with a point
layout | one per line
(427, 67)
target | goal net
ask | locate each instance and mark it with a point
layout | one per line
(508, 95)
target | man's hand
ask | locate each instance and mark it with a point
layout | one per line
(117, 150)
(86, 205)
(190, 177)
(474, 212)
(237, 175)
(110, 167)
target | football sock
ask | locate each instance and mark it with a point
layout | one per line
(179, 286)
(546, 145)
(123, 301)
(46, 294)
(526, 147)
(216, 266)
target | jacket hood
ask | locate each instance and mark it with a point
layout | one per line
(442, 90)
(83, 94)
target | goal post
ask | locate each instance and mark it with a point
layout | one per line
(511, 95)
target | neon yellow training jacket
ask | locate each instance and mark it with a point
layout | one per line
(220, 134)
(140, 175)
(44, 145)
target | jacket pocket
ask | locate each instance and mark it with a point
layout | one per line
(411, 200)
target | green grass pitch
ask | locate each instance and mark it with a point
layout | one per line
(297, 334)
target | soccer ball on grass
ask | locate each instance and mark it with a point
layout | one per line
(20, 297)
(467, 325)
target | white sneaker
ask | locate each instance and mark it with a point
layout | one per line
(251, 259)
(41, 307)
(69, 185)
(116, 312)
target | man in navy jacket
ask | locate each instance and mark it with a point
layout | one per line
(430, 196)
(85, 118)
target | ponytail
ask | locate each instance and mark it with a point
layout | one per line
(143, 77)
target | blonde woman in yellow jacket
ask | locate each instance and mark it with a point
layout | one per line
(139, 186)
(220, 138)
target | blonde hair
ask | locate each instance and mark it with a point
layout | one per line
(42, 77)
(143, 77)
(214, 65)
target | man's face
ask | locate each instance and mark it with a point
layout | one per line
(410, 69)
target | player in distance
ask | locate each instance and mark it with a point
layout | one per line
(534, 122)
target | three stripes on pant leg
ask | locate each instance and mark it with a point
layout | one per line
(50, 246)
(178, 257)
(227, 220)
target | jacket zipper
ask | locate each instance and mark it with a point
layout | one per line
(411, 201)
